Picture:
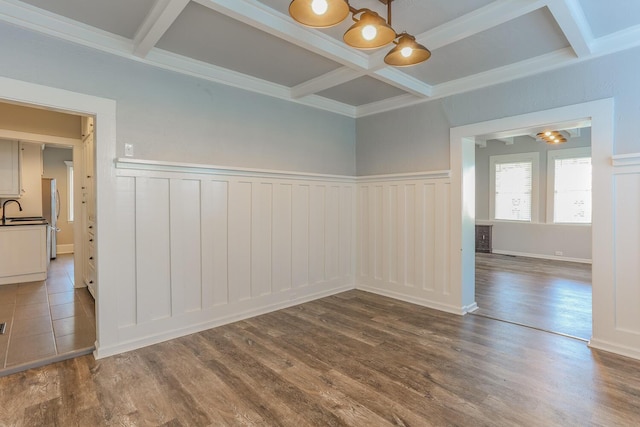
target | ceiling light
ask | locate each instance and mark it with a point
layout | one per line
(407, 52)
(553, 137)
(370, 30)
(319, 13)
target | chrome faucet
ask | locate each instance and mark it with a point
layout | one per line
(4, 208)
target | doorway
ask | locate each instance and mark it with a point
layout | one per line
(533, 229)
(53, 319)
(598, 115)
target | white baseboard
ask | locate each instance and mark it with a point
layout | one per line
(419, 301)
(64, 249)
(102, 352)
(610, 347)
(542, 256)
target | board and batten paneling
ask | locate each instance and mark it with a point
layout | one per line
(203, 246)
(626, 234)
(403, 237)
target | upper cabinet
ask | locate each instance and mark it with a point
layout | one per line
(10, 168)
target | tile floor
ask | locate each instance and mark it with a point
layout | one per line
(45, 319)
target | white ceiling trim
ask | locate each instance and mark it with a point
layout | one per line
(404, 81)
(325, 81)
(570, 17)
(160, 18)
(33, 18)
(616, 42)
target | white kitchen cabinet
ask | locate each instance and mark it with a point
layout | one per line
(23, 253)
(10, 165)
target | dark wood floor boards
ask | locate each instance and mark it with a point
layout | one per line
(352, 359)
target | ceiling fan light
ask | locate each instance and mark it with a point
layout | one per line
(319, 13)
(407, 52)
(369, 32)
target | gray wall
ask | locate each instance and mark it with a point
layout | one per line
(416, 138)
(168, 116)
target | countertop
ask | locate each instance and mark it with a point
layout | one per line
(22, 221)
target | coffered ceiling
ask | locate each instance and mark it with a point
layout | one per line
(256, 46)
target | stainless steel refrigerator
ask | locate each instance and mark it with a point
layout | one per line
(51, 211)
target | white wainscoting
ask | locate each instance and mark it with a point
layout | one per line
(619, 316)
(403, 224)
(203, 246)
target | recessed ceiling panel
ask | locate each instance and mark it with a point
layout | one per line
(208, 36)
(609, 16)
(525, 37)
(121, 17)
(361, 91)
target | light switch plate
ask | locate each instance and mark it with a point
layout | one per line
(128, 150)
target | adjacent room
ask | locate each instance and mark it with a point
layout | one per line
(276, 207)
(533, 228)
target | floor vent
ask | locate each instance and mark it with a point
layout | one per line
(3, 326)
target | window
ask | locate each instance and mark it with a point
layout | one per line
(69, 190)
(569, 186)
(514, 187)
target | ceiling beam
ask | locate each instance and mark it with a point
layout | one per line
(160, 18)
(325, 81)
(570, 17)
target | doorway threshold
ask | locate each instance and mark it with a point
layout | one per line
(45, 361)
(529, 326)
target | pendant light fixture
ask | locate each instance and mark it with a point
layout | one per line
(370, 30)
(407, 52)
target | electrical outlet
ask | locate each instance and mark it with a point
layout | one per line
(559, 253)
(128, 150)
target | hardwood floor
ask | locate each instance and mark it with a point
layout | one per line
(545, 294)
(352, 359)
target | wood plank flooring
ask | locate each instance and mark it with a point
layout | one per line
(354, 359)
(546, 294)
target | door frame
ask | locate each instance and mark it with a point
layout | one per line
(600, 115)
(104, 111)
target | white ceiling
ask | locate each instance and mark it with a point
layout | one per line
(256, 46)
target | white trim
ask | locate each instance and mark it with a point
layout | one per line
(534, 159)
(160, 18)
(404, 176)
(419, 301)
(615, 348)
(542, 256)
(570, 17)
(626, 159)
(64, 249)
(164, 166)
